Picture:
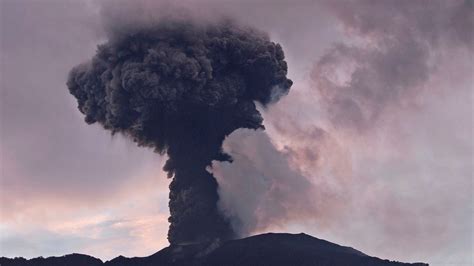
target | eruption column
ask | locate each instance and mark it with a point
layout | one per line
(181, 87)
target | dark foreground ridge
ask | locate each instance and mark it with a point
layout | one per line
(266, 249)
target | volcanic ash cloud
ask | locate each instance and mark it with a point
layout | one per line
(181, 87)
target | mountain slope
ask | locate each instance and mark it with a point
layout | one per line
(266, 249)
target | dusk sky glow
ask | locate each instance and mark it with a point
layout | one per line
(372, 148)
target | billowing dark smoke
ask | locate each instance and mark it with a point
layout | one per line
(181, 88)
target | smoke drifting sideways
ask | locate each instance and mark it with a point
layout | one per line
(180, 87)
(395, 49)
(391, 53)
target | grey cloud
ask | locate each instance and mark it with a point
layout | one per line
(431, 145)
(267, 188)
(259, 188)
(397, 55)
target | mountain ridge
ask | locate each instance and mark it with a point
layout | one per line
(266, 249)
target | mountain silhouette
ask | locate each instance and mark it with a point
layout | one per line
(272, 249)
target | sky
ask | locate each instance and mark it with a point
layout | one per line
(372, 148)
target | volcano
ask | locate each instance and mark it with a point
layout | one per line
(276, 249)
